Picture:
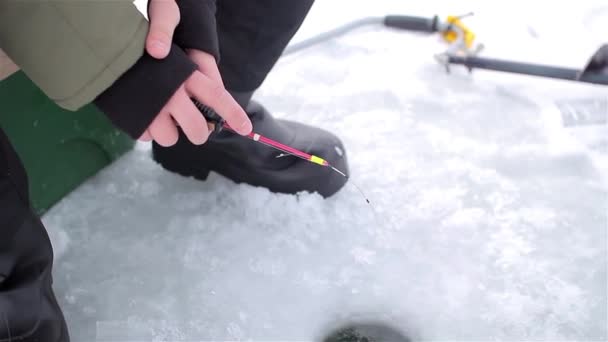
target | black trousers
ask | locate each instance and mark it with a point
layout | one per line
(252, 36)
(28, 308)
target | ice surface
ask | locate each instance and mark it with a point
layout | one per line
(488, 217)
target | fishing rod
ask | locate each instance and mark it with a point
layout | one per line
(221, 124)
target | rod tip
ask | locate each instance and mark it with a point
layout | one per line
(338, 171)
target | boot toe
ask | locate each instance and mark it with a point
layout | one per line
(324, 144)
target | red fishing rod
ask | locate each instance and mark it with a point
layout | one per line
(221, 124)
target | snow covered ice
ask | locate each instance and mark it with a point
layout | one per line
(487, 217)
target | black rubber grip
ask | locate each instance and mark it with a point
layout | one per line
(210, 115)
(419, 24)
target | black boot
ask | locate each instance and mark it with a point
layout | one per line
(246, 161)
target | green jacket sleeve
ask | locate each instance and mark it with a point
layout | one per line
(72, 49)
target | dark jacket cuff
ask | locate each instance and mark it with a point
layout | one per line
(134, 100)
(197, 28)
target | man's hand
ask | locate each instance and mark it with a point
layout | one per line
(164, 16)
(180, 110)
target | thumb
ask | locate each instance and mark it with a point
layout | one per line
(164, 17)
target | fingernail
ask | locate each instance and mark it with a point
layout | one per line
(246, 127)
(158, 44)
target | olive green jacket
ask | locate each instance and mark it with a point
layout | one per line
(72, 49)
